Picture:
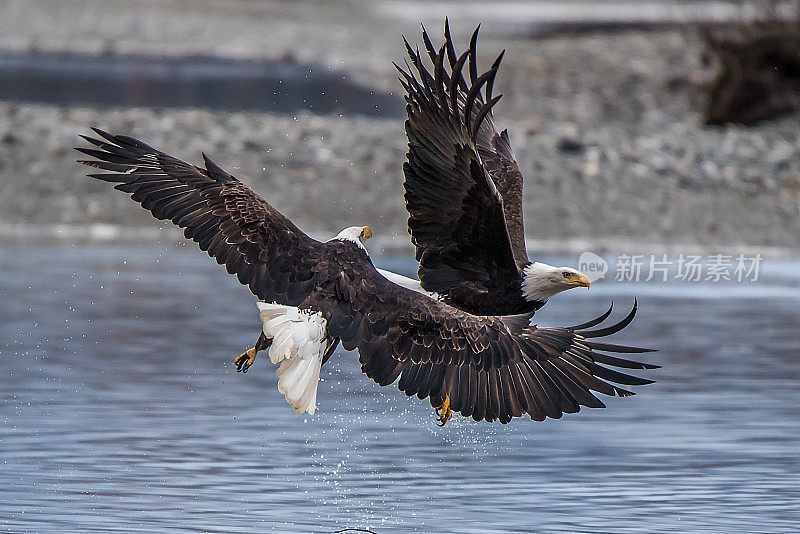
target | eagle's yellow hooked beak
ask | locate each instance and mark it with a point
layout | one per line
(580, 280)
(366, 232)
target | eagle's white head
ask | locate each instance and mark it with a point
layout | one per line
(356, 234)
(541, 281)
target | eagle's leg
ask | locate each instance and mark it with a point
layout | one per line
(244, 361)
(445, 412)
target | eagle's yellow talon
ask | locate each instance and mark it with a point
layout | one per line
(244, 361)
(444, 413)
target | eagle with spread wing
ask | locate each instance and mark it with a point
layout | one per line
(463, 190)
(312, 295)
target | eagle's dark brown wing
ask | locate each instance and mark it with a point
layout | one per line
(264, 249)
(556, 371)
(463, 185)
(490, 368)
(498, 160)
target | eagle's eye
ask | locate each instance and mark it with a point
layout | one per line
(566, 274)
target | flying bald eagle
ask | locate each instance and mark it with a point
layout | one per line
(312, 295)
(467, 228)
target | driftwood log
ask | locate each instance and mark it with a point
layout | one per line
(758, 72)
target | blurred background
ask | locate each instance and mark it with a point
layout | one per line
(652, 128)
(605, 104)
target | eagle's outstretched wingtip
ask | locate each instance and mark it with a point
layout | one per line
(102, 133)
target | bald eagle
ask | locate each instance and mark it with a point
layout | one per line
(314, 294)
(463, 190)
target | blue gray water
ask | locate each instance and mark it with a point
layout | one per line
(121, 411)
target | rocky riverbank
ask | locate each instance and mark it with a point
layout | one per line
(605, 126)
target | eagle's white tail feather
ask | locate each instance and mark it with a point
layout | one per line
(298, 382)
(298, 345)
(282, 344)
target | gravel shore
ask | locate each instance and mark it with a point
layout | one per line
(605, 127)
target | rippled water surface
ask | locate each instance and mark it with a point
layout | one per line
(121, 411)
